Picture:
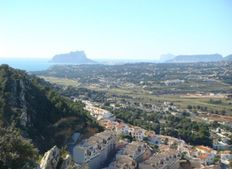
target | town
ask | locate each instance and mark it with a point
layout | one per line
(116, 84)
(183, 108)
(134, 147)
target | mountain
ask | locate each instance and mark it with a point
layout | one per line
(196, 58)
(228, 58)
(77, 57)
(166, 57)
(42, 115)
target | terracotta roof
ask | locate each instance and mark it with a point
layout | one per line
(203, 156)
(204, 148)
(120, 125)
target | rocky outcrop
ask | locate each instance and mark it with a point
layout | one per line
(77, 57)
(50, 159)
(67, 163)
(53, 159)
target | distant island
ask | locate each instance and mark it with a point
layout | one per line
(194, 58)
(77, 57)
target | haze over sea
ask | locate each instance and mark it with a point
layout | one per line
(27, 64)
(37, 64)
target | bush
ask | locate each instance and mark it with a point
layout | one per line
(15, 151)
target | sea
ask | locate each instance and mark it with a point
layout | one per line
(27, 64)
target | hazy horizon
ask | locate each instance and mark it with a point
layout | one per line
(125, 30)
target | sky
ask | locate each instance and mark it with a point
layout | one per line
(115, 29)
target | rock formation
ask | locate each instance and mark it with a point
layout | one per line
(53, 159)
(78, 57)
(50, 159)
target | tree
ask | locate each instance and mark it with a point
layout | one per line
(15, 151)
(230, 165)
(166, 141)
(189, 107)
(174, 146)
(230, 139)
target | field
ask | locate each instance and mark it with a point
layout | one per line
(61, 81)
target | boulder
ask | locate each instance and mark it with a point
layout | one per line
(50, 159)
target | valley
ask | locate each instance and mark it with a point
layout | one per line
(186, 101)
(146, 111)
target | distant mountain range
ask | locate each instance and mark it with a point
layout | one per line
(228, 58)
(77, 57)
(194, 58)
(166, 57)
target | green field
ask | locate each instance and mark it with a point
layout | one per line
(61, 81)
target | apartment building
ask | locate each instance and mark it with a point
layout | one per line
(95, 150)
(138, 151)
(164, 160)
(98, 113)
(123, 162)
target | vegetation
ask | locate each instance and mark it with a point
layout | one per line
(136, 93)
(150, 82)
(84, 93)
(213, 76)
(39, 112)
(192, 132)
(15, 151)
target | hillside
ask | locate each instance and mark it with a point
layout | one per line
(166, 57)
(196, 58)
(40, 113)
(78, 57)
(228, 58)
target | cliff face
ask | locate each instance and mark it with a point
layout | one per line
(77, 57)
(40, 113)
(53, 159)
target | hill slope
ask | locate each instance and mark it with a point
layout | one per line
(39, 112)
(228, 58)
(77, 57)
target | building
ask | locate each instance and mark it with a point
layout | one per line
(95, 150)
(137, 132)
(221, 145)
(205, 150)
(164, 160)
(173, 82)
(138, 151)
(205, 154)
(226, 157)
(207, 159)
(123, 162)
(97, 112)
(122, 128)
(108, 124)
(152, 138)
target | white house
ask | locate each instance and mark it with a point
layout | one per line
(226, 157)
